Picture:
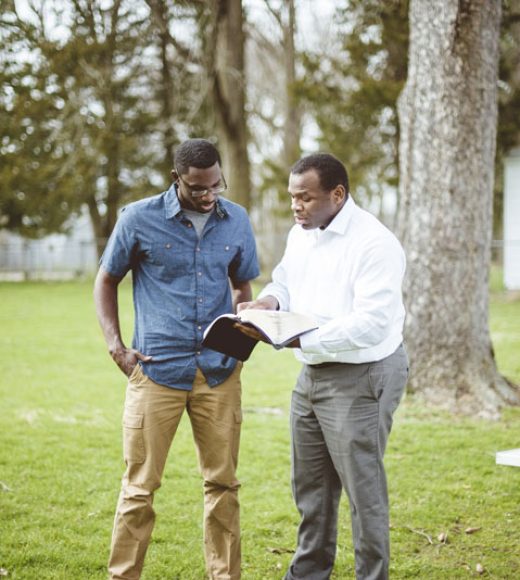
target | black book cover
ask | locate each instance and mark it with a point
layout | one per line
(227, 339)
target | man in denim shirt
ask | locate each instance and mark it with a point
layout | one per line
(192, 256)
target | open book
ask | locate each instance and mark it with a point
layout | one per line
(278, 327)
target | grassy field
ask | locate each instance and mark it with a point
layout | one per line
(453, 509)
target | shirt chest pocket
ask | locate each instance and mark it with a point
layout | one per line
(171, 260)
(223, 259)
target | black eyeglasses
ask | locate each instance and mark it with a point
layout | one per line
(202, 192)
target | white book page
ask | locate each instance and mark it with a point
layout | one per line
(279, 326)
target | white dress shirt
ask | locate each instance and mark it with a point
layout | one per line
(348, 277)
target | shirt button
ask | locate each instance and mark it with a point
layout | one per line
(189, 224)
(198, 352)
(199, 327)
(199, 273)
(200, 299)
(198, 249)
(227, 248)
(168, 246)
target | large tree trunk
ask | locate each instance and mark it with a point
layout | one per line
(448, 117)
(229, 97)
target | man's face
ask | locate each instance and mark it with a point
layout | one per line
(313, 207)
(195, 181)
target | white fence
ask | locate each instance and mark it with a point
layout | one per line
(62, 258)
(53, 258)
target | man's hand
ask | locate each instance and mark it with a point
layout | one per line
(250, 331)
(266, 303)
(127, 359)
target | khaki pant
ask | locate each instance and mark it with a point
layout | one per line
(151, 416)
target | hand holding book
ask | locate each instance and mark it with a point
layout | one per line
(250, 331)
(265, 303)
(237, 335)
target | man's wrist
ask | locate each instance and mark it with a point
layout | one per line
(272, 302)
(115, 348)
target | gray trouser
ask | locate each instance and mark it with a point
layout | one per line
(341, 416)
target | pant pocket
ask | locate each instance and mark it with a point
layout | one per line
(133, 375)
(378, 373)
(133, 438)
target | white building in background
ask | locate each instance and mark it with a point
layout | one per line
(57, 256)
(512, 220)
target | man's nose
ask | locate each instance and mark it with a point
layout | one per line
(296, 205)
(210, 195)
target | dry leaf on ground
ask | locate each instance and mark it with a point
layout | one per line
(280, 550)
(472, 530)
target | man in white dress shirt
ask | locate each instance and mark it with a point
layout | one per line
(342, 266)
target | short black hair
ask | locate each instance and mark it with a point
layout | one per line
(199, 153)
(330, 170)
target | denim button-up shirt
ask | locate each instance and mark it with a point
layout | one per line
(180, 282)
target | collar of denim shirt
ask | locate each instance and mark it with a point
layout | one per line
(173, 206)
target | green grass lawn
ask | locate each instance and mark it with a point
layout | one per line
(60, 460)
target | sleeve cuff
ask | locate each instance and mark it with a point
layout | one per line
(310, 342)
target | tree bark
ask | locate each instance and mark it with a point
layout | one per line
(292, 129)
(161, 17)
(448, 117)
(229, 97)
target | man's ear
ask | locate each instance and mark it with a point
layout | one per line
(339, 194)
(175, 175)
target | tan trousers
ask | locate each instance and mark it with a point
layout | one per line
(151, 416)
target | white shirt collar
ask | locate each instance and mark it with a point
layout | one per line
(342, 219)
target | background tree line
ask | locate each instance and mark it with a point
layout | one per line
(96, 94)
(94, 97)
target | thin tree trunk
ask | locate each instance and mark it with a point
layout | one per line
(161, 16)
(292, 127)
(229, 97)
(110, 145)
(97, 224)
(448, 117)
(103, 224)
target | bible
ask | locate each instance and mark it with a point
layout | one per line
(279, 328)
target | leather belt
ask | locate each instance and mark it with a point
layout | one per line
(325, 365)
